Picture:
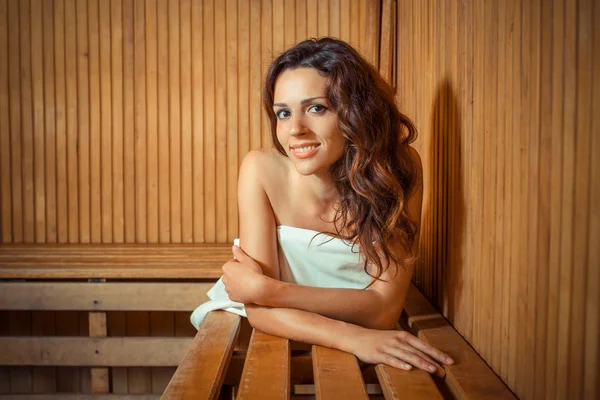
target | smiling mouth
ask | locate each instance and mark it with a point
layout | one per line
(304, 149)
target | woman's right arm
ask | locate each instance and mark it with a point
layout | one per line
(259, 241)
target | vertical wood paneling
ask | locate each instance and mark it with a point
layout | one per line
(139, 109)
(523, 71)
(5, 158)
(233, 118)
(129, 219)
(221, 121)
(174, 120)
(164, 204)
(198, 118)
(116, 56)
(106, 123)
(256, 113)
(95, 120)
(152, 122)
(186, 121)
(210, 210)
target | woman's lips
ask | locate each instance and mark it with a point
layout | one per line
(305, 154)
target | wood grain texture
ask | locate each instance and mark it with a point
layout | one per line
(266, 372)
(202, 370)
(337, 375)
(400, 384)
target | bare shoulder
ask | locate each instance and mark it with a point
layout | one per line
(266, 166)
(416, 159)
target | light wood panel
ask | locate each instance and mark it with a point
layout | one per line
(504, 97)
(126, 121)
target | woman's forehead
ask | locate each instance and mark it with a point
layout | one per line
(295, 85)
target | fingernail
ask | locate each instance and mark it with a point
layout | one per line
(432, 368)
(449, 361)
(406, 366)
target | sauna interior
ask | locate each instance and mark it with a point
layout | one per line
(125, 122)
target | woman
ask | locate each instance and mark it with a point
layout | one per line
(329, 219)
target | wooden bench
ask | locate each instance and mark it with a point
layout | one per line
(215, 363)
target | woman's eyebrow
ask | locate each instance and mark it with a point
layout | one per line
(308, 100)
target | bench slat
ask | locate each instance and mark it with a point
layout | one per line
(202, 371)
(398, 384)
(337, 375)
(92, 352)
(112, 271)
(266, 373)
(103, 296)
(79, 396)
(470, 377)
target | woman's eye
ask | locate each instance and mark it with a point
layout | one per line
(317, 109)
(282, 114)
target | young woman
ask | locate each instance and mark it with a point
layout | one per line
(329, 218)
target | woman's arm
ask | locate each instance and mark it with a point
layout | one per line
(258, 237)
(378, 307)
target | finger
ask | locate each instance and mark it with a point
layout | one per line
(414, 360)
(238, 253)
(419, 353)
(428, 349)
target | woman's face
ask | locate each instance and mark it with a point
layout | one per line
(307, 127)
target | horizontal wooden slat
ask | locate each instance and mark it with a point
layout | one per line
(470, 377)
(337, 375)
(266, 372)
(79, 396)
(398, 384)
(103, 296)
(202, 371)
(93, 352)
(114, 261)
(146, 271)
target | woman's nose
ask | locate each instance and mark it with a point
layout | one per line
(296, 126)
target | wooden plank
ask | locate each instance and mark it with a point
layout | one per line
(334, 18)
(20, 378)
(244, 103)
(233, 120)
(106, 124)
(44, 378)
(209, 172)
(6, 233)
(152, 173)
(61, 133)
(67, 324)
(201, 373)
(27, 123)
(103, 296)
(95, 121)
(322, 18)
(289, 23)
(163, 271)
(128, 122)
(93, 352)
(50, 149)
(175, 120)
(139, 379)
(300, 15)
(116, 321)
(78, 396)
(387, 33)
(312, 23)
(220, 59)
(337, 375)
(266, 372)
(97, 328)
(197, 122)
(256, 114)
(186, 123)
(406, 385)
(162, 324)
(14, 96)
(345, 22)
(469, 376)
(140, 114)
(118, 199)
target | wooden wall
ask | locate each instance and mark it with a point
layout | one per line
(125, 121)
(506, 96)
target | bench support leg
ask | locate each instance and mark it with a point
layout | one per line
(97, 328)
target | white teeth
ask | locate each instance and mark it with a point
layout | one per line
(304, 149)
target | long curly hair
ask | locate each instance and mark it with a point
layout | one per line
(376, 174)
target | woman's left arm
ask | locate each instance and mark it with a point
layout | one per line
(378, 307)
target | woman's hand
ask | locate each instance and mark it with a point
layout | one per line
(398, 349)
(243, 278)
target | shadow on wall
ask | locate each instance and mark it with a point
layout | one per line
(447, 206)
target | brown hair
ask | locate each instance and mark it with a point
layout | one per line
(376, 174)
